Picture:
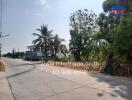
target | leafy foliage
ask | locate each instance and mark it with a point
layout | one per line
(58, 46)
(123, 40)
(44, 39)
(83, 25)
(48, 43)
(120, 31)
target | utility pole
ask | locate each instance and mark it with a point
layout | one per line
(1, 18)
(1, 9)
(1, 36)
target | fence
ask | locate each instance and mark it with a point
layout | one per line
(90, 66)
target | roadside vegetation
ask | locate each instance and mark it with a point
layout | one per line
(2, 68)
(103, 39)
(49, 44)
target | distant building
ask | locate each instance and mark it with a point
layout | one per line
(32, 53)
(33, 48)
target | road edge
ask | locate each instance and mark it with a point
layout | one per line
(5, 91)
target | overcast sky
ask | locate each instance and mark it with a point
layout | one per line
(21, 18)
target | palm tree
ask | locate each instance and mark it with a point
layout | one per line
(43, 40)
(58, 46)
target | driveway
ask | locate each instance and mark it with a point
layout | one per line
(34, 81)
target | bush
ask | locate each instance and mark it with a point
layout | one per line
(61, 57)
(64, 59)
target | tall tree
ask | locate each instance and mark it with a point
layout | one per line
(83, 24)
(123, 40)
(107, 25)
(120, 30)
(43, 39)
(75, 45)
(57, 45)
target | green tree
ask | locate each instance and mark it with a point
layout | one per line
(57, 45)
(119, 30)
(123, 40)
(43, 39)
(83, 25)
(107, 27)
(75, 45)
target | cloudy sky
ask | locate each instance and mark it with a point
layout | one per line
(21, 18)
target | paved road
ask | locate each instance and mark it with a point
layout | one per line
(40, 82)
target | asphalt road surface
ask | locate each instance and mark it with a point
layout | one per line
(33, 81)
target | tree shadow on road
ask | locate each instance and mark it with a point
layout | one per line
(122, 88)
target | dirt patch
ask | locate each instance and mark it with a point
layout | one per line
(2, 68)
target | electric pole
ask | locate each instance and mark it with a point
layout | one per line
(1, 36)
(1, 9)
(1, 18)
